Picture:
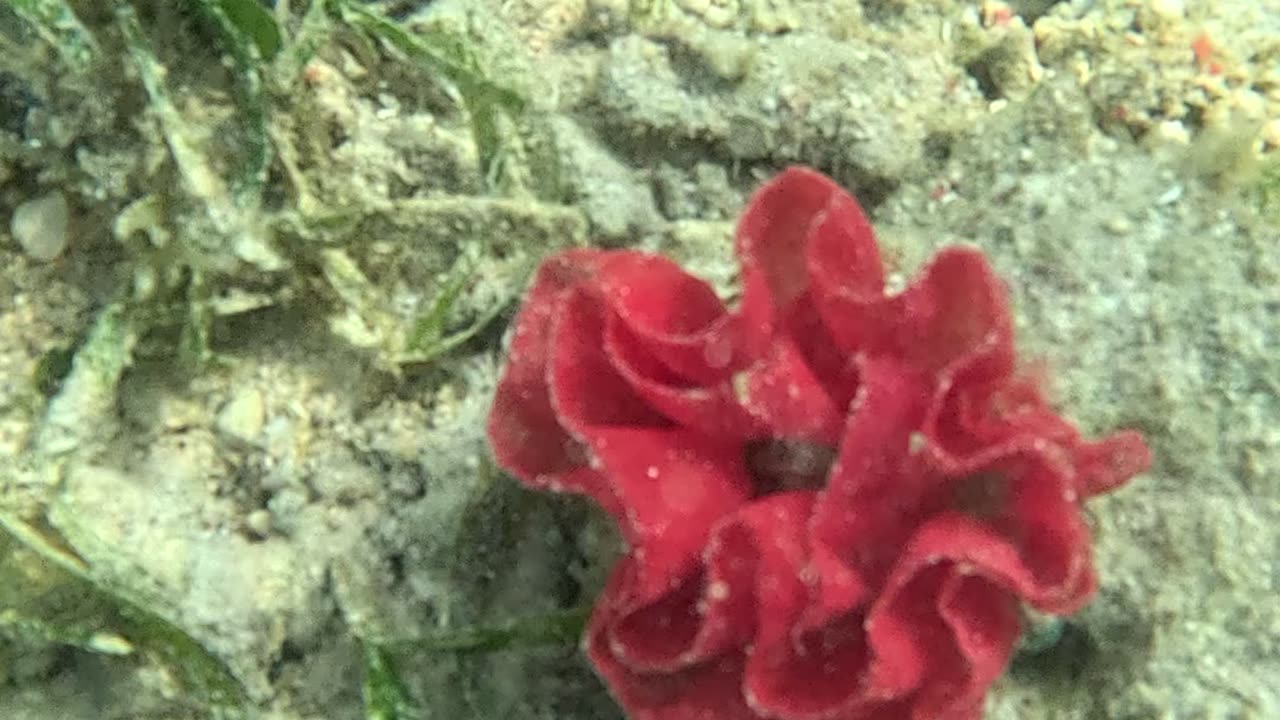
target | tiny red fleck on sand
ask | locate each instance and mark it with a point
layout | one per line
(996, 14)
(1205, 51)
(834, 498)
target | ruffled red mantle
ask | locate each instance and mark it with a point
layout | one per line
(834, 498)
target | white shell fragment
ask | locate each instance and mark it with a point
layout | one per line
(243, 416)
(40, 226)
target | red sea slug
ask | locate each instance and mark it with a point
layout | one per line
(834, 498)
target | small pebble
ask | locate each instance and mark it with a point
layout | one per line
(1118, 226)
(243, 416)
(1173, 132)
(1271, 133)
(40, 226)
(1169, 9)
(258, 522)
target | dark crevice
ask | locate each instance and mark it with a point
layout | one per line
(780, 465)
(289, 653)
(648, 147)
(980, 69)
(1032, 10)
(1063, 662)
(938, 148)
(17, 98)
(883, 11)
(696, 76)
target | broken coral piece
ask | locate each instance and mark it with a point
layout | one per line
(834, 498)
